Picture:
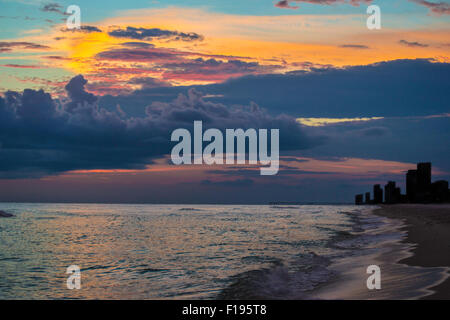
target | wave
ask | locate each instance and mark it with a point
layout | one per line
(299, 278)
(280, 282)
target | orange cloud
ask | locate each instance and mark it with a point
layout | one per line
(262, 44)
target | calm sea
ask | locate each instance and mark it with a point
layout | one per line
(192, 252)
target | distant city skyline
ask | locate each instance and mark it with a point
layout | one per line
(419, 189)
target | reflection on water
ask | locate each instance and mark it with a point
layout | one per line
(204, 252)
(152, 251)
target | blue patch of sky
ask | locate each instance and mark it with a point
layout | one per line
(397, 14)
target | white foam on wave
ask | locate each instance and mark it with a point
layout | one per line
(379, 243)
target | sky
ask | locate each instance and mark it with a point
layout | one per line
(86, 114)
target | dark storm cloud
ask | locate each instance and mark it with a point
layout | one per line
(403, 139)
(406, 92)
(149, 82)
(77, 94)
(394, 88)
(152, 33)
(375, 131)
(41, 136)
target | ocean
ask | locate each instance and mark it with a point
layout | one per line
(129, 251)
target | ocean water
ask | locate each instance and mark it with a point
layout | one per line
(203, 252)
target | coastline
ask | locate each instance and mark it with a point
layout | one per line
(381, 238)
(428, 227)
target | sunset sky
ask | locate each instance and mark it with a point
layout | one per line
(86, 115)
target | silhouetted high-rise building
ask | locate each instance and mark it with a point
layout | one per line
(359, 199)
(411, 185)
(367, 198)
(389, 192)
(377, 194)
(424, 176)
(397, 195)
(439, 191)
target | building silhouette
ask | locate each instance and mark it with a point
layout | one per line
(419, 189)
(411, 185)
(423, 193)
(359, 199)
(424, 176)
(439, 191)
(390, 192)
(367, 198)
(377, 194)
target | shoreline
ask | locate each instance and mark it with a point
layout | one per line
(383, 241)
(427, 226)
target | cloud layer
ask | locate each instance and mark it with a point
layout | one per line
(394, 88)
(41, 136)
(152, 33)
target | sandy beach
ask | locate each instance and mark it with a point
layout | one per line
(427, 226)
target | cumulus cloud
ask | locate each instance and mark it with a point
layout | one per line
(77, 93)
(41, 136)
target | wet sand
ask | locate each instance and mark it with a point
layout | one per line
(427, 226)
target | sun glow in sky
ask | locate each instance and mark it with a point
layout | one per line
(226, 45)
(358, 102)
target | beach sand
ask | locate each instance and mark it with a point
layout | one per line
(427, 226)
